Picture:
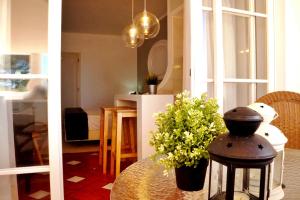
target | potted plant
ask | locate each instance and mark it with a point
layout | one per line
(183, 134)
(152, 82)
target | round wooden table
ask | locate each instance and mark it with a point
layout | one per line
(144, 180)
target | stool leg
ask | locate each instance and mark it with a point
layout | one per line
(105, 137)
(118, 144)
(113, 143)
(132, 135)
(125, 142)
(101, 137)
(35, 138)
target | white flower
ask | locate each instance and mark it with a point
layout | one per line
(179, 95)
(186, 133)
(170, 155)
(161, 148)
(167, 134)
(188, 136)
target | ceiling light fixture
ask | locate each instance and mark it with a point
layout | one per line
(132, 35)
(148, 22)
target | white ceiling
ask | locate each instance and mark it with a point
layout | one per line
(104, 16)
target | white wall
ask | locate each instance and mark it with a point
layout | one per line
(28, 32)
(107, 67)
(287, 43)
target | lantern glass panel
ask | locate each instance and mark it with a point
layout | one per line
(246, 185)
(218, 175)
(254, 182)
(238, 182)
(277, 170)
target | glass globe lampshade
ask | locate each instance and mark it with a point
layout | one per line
(149, 23)
(132, 36)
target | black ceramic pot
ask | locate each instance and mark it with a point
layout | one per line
(190, 178)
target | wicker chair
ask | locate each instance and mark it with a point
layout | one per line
(287, 104)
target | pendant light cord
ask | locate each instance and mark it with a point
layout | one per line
(145, 4)
(132, 7)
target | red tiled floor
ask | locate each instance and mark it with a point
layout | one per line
(37, 182)
(91, 187)
(88, 189)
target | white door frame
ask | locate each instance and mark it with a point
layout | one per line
(54, 100)
(54, 109)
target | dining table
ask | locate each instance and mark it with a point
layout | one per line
(145, 180)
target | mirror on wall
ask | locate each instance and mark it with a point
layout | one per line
(158, 59)
(172, 82)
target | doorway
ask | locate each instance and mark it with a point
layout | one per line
(70, 80)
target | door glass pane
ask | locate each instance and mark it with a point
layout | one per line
(207, 3)
(24, 118)
(210, 90)
(259, 5)
(261, 48)
(240, 94)
(25, 86)
(208, 38)
(261, 90)
(237, 43)
(25, 187)
(236, 46)
(238, 4)
(34, 63)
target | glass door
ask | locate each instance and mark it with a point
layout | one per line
(232, 51)
(30, 133)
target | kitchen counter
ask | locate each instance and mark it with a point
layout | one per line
(146, 106)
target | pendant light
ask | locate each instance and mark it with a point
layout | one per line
(148, 22)
(132, 35)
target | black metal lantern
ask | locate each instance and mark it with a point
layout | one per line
(240, 153)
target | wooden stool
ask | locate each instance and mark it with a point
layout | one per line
(116, 153)
(104, 126)
(35, 129)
